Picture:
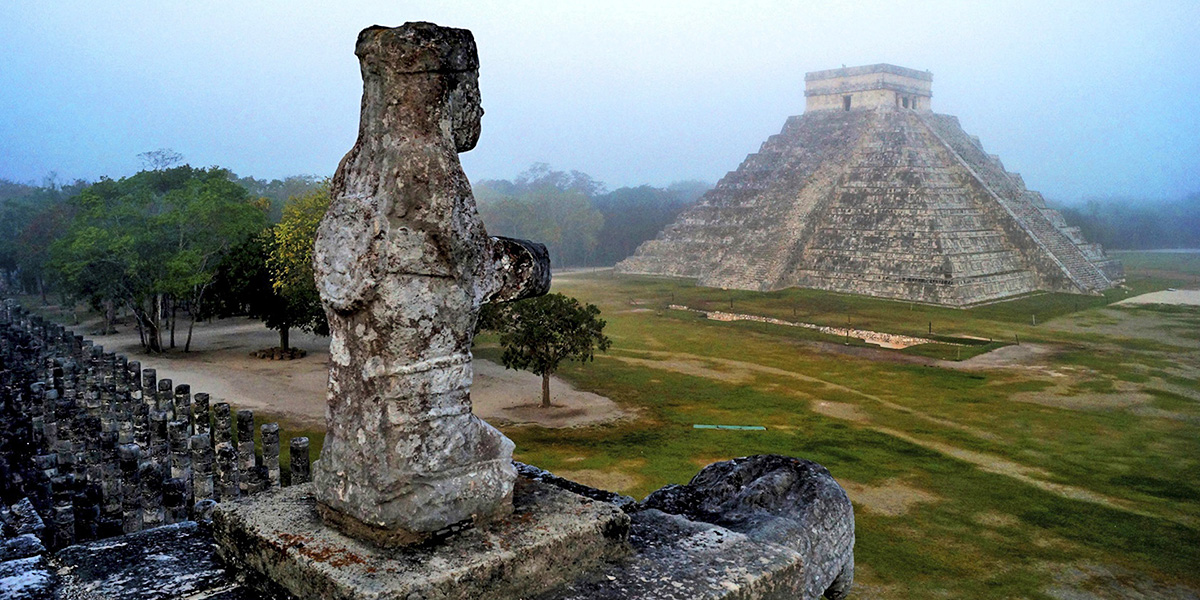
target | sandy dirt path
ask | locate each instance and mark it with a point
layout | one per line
(1184, 297)
(220, 365)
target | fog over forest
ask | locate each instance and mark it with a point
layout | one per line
(1095, 105)
(1085, 100)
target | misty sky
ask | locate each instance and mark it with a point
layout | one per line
(1084, 99)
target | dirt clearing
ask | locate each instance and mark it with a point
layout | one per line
(220, 365)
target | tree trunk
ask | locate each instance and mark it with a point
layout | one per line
(545, 390)
(156, 318)
(110, 315)
(193, 310)
(141, 329)
(187, 346)
(148, 327)
(174, 305)
(155, 337)
(41, 283)
(283, 338)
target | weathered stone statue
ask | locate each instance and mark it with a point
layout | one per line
(403, 264)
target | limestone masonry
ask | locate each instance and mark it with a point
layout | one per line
(870, 192)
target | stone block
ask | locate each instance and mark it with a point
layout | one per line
(22, 546)
(172, 561)
(552, 537)
(27, 579)
(679, 559)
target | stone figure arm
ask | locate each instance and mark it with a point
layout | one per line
(516, 269)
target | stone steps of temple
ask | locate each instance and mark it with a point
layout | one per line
(1045, 225)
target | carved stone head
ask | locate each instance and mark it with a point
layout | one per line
(444, 58)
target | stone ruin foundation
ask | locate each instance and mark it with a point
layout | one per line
(870, 192)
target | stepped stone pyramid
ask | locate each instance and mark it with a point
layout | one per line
(869, 192)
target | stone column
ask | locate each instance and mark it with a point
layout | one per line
(180, 454)
(164, 400)
(174, 501)
(133, 371)
(86, 506)
(245, 451)
(157, 450)
(62, 515)
(183, 405)
(110, 484)
(403, 264)
(299, 465)
(270, 452)
(150, 473)
(202, 468)
(149, 388)
(222, 424)
(130, 456)
(226, 478)
(42, 492)
(200, 416)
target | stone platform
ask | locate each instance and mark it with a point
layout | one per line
(552, 537)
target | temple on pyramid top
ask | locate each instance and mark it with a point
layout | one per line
(867, 87)
(871, 192)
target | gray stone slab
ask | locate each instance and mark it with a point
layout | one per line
(22, 546)
(678, 559)
(170, 562)
(552, 537)
(27, 579)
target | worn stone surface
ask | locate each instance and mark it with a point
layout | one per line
(884, 200)
(170, 562)
(23, 519)
(27, 579)
(531, 472)
(22, 546)
(403, 264)
(780, 500)
(679, 559)
(552, 537)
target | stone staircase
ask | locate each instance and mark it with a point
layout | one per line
(1042, 224)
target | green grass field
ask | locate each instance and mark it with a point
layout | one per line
(1075, 464)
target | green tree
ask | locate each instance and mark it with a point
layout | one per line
(31, 218)
(551, 207)
(152, 241)
(537, 334)
(289, 261)
(205, 218)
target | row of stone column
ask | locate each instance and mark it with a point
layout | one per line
(102, 446)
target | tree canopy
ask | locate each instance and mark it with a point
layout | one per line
(289, 262)
(154, 236)
(537, 334)
(1122, 223)
(579, 221)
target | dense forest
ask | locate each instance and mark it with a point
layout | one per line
(1129, 224)
(173, 244)
(579, 220)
